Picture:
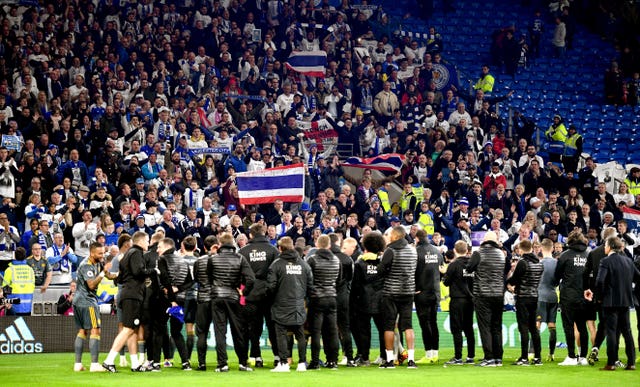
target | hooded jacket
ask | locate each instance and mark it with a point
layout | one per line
(260, 254)
(571, 264)
(428, 271)
(289, 281)
(366, 288)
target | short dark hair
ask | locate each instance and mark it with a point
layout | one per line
(373, 242)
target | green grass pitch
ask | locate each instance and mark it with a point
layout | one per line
(57, 370)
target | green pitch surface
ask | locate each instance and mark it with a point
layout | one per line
(57, 370)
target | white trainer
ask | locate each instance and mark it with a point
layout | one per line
(281, 367)
(569, 361)
(78, 367)
(302, 367)
(344, 361)
(96, 367)
(582, 361)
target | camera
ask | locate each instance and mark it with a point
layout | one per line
(9, 301)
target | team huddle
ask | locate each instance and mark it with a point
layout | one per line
(332, 291)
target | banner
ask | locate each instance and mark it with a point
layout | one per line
(11, 142)
(320, 132)
(284, 183)
(202, 151)
(444, 76)
(391, 162)
(310, 63)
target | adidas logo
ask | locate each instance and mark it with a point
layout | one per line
(18, 338)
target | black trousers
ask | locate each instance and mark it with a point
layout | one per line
(489, 316)
(176, 334)
(361, 324)
(461, 321)
(282, 338)
(225, 311)
(601, 328)
(157, 336)
(203, 323)
(526, 315)
(257, 314)
(323, 325)
(617, 321)
(574, 314)
(427, 311)
(344, 324)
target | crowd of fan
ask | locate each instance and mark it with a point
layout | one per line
(136, 117)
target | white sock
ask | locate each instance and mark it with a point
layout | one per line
(434, 353)
(141, 358)
(410, 352)
(134, 361)
(428, 354)
(111, 358)
(389, 355)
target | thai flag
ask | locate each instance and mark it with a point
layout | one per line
(285, 183)
(632, 217)
(391, 162)
(310, 63)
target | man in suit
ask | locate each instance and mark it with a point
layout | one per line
(614, 286)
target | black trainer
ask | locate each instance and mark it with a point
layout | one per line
(411, 365)
(351, 363)
(224, 368)
(110, 368)
(139, 368)
(454, 362)
(521, 362)
(186, 366)
(201, 367)
(314, 365)
(259, 363)
(387, 365)
(332, 365)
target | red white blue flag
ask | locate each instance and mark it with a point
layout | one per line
(632, 217)
(285, 183)
(391, 162)
(310, 63)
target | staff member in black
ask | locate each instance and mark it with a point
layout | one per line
(132, 274)
(343, 288)
(227, 271)
(568, 274)
(177, 269)
(460, 285)
(594, 306)
(614, 286)
(260, 254)
(290, 282)
(366, 295)
(203, 312)
(398, 268)
(524, 284)
(427, 295)
(322, 304)
(488, 264)
(155, 306)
